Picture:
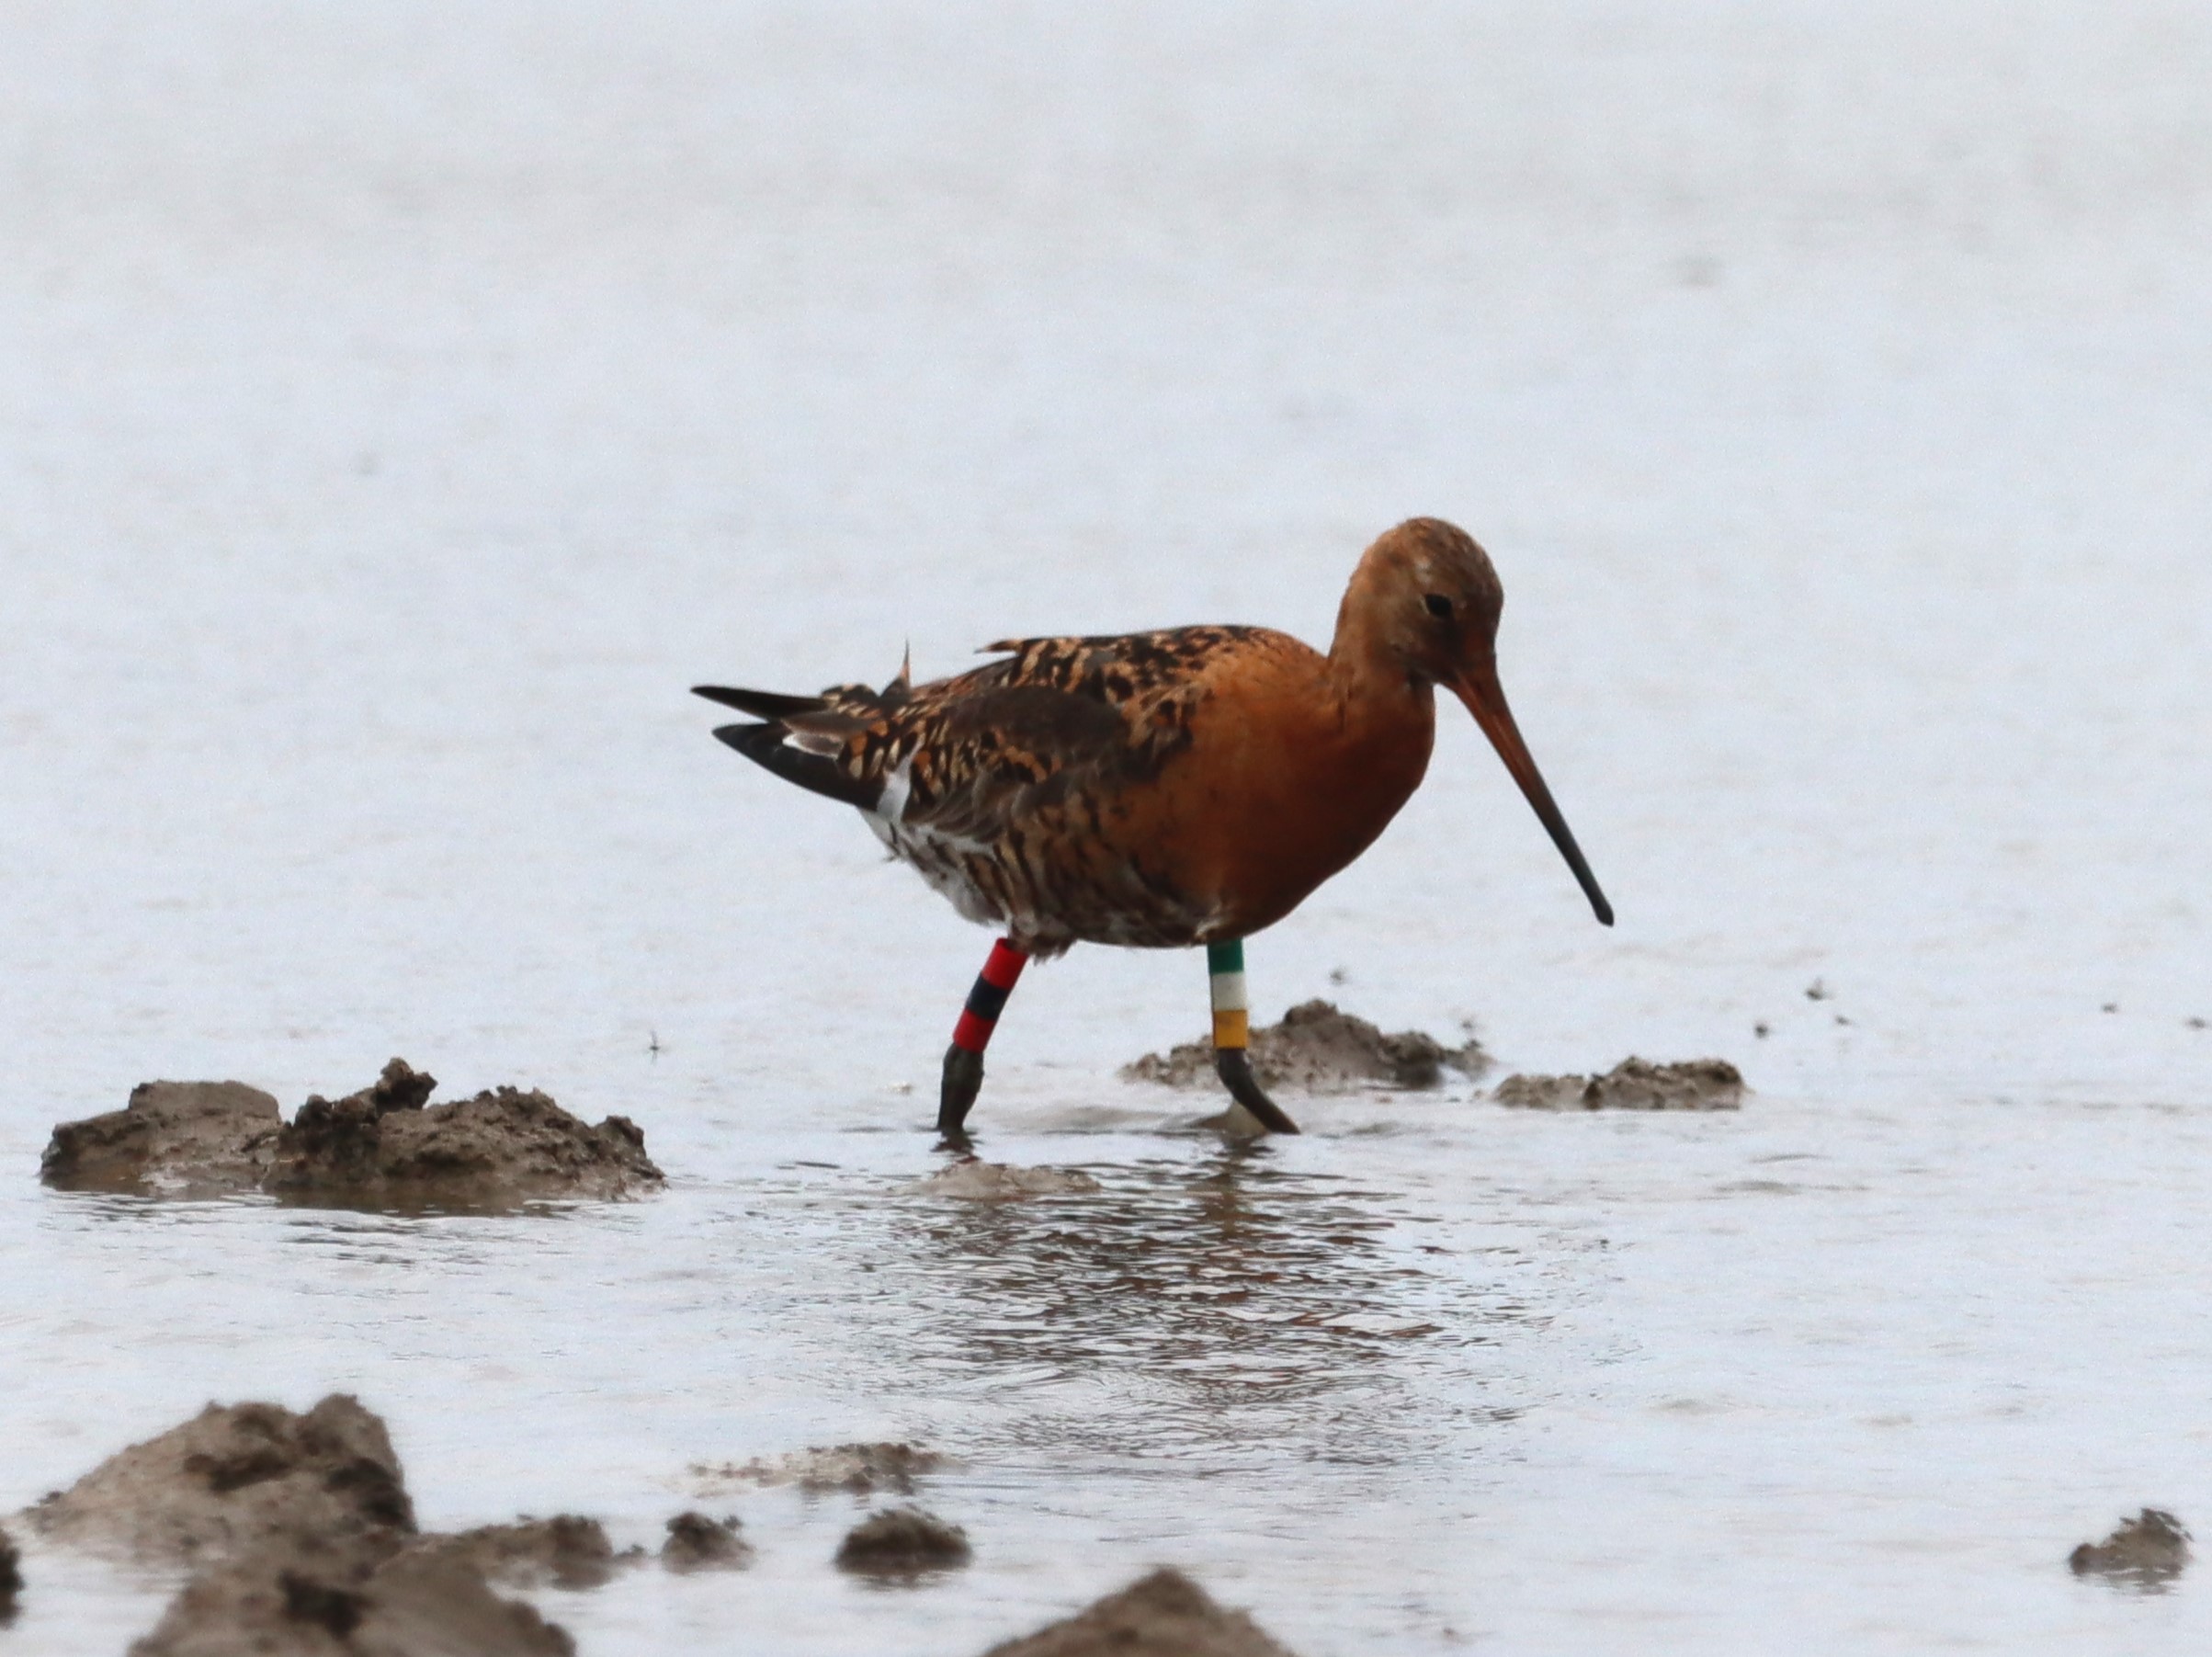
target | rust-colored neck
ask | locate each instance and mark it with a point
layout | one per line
(1378, 689)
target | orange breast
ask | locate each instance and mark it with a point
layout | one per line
(1290, 775)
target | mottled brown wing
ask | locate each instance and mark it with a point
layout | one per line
(1060, 726)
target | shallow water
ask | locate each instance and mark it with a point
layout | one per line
(399, 413)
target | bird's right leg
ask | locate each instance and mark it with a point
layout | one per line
(964, 1058)
(1233, 1061)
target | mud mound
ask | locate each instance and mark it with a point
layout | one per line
(902, 1541)
(1319, 1048)
(698, 1543)
(1632, 1085)
(1163, 1614)
(383, 1147)
(177, 1139)
(336, 1602)
(2149, 1550)
(567, 1550)
(859, 1468)
(502, 1146)
(303, 1542)
(1001, 1181)
(236, 1477)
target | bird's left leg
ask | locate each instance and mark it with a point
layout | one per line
(1233, 1061)
(964, 1058)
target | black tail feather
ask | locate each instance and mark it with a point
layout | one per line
(764, 746)
(761, 704)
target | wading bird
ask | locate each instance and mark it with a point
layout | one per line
(1161, 790)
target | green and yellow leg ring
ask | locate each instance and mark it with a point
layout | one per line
(1225, 977)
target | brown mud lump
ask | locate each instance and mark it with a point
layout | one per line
(1319, 1048)
(284, 1601)
(181, 1138)
(302, 1543)
(236, 1477)
(902, 1541)
(385, 1146)
(1632, 1085)
(698, 1543)
(1163, 1614)
(340, 1140)
(976, 1181)
(567, 1550)
(861, 1468)
(503, 1146)
(2148, 1550)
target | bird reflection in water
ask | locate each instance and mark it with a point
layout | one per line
(1231, 1307)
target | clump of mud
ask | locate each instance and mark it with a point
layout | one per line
(180, 1139)
(318, 1603)
(385, 1146)
(902, 1541)
(1163, 1614)
(567, 1550)
(1002, 1181)
(1319, 1048)
(1632, 1085)
(302, 1543)
(698, 1543)
(862, 1468)
(235, 1477)
(2147, 1551)
(11, 1578)
(505, 1144)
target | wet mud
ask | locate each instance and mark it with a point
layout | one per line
(1002, 1181)
(1319, 1048)
(1632, 1085)
(903, 1541)
(698, 1543)
(565, 1551)
(301, 1538)
(237, 1477)
(2147, 1551)
(385, 1146)
(859, 1468)
(322, 1602)
(177, 1139)
(1162, 1615)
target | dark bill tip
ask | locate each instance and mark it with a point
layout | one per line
(1486, 700)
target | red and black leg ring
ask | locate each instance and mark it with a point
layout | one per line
(964, 1058)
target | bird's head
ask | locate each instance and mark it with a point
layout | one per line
(1426, 592)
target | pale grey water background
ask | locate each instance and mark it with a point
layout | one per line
(398, 410)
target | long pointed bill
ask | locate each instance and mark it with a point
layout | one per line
(1485, 698)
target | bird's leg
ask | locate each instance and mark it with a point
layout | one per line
(1232, 1061)
(964, 1058)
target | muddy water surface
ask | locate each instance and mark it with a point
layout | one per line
(401, 412)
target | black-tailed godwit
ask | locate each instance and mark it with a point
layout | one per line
(1161, 790)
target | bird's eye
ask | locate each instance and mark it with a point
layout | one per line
(1438, 605)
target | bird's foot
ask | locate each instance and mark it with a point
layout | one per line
(963, 1079)
(1233, 1065)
